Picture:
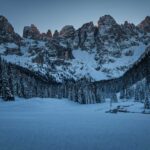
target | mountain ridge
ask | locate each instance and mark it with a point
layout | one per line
(87, 65)
(98, 52)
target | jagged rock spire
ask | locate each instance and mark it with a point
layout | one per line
(7, 33)
(106, 20)
(56, 34)
(31, 32)
(67, 31)
(145, 24)
(5, 26)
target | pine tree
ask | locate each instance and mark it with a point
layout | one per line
(114, 97)
(7, 94)
(147, 101)
(122, 94)
(81, 96)
(0, 76)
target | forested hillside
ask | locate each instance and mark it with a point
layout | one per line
(18, 81)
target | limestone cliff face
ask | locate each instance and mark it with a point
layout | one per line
(32, 32)
(145, 24)
(102, 51)
(7, 33)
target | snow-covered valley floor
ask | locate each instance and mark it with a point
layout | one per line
(51, 124)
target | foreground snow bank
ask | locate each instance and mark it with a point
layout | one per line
(52, 124)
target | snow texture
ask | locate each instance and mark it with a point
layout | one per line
(52, 124)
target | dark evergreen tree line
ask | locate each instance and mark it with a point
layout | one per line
(18, 81)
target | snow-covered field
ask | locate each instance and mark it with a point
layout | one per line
(51, 124)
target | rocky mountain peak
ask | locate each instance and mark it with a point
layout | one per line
(106, 20)
(86, 36)
(46, 36)
(7, 33)
(129, 28)
(56, 34)
(128, 25)
(5, 26)
(31, 32)
(147, 19)
(145, 24)
(67, 31)
(49, 33)
(88, 26)
(107, 25)
(3, 18)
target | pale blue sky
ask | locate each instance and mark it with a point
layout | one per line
(54, 14)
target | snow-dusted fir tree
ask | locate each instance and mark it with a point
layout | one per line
(129, 93)
(147, 96)
(81, 98)
(114, 97)
(0, 76)
(122, 94)
(7, 93)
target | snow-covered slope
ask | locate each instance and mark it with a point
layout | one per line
(61, 124)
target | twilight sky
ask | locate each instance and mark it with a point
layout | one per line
(54, 14)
